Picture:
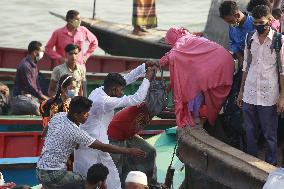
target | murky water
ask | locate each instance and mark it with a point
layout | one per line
(26, 20)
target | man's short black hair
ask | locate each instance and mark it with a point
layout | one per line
(79, 104)
(253, 3)
(276, 13)
(113, 80)
(71, 14)
(228, 8)
(261, 11)
(96, 173)
(34, 45)
(71, 47)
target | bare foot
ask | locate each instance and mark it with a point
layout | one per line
(138, 32)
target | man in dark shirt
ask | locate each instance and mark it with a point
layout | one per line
(27, 73)
(96, 178)
(27, 92)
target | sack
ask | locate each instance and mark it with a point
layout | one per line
(25, 105)
(4, 104)
(128, 122)
(275, 180)
(156, 99)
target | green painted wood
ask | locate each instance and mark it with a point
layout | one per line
(164, 144)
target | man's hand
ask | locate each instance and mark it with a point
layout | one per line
(150, 73)
(85, 60)
(280, 104)
(151, 63)
(43, 97)
(239, 100)
(136, 152)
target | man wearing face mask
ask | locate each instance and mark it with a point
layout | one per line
(105, 100)
(27, 90)
(240, 24)
(70, 68)
(260, 97)
(72, 32)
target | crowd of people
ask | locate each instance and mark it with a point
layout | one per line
(82, 147)
(255, 42)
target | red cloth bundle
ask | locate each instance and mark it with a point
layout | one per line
(128, 122)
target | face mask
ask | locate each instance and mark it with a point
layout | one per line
(39, 56)
(261, 28)
(71, 93)
(76, 23)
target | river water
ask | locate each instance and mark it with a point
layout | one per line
(27, 20)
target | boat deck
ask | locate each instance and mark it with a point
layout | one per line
(153, 35)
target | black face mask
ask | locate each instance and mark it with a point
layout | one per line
(261, 28)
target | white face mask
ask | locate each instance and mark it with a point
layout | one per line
(40, 55)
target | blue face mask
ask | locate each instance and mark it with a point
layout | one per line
(71, 93)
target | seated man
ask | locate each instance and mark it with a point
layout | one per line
(27, 91)
(136, 180)
(96, 178)
(63, 136)
(71, 68)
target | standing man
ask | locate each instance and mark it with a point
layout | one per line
(240, 24)
(143, 15)
(260, 87)
(72, 32)
(105, 100)
(70, 67)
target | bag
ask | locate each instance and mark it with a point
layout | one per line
(275, 180)
(156, 99)
(25, 105)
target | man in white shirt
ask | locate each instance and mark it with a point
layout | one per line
(260, 86)
(63, 136)
(105, 100)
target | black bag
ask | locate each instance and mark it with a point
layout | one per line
(25, 105)
(156, 99)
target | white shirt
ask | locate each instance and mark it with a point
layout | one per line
(62, 137)
(261, 86)
(102, 110)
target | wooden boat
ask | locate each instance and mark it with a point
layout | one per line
(117, 39)
(22, 170)
(18, 130)
(11, 57)
(217, 165)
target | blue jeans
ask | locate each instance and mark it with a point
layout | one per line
(267, 118)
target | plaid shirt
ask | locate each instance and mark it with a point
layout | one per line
(62, 138)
